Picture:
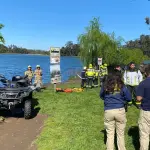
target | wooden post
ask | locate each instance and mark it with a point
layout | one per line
(54, 87)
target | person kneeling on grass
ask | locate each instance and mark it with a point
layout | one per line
(115, 96)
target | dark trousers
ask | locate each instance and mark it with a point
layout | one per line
(89, 81)
(83, 82)
(132, 90)
(103, 79)
(95, 81)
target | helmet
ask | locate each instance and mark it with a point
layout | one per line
(90, 65)
(37, 66)
(29, 66)
(105, 65)
(84, 68)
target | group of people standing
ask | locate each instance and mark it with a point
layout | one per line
(37, 74)
(90, 76)
(125, 86)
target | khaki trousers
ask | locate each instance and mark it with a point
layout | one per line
(115, 119)
(144, 129)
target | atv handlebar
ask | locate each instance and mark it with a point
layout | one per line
(2, 76)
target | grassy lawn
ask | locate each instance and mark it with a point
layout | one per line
(76, 121)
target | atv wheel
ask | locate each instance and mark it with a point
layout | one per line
(27, 109)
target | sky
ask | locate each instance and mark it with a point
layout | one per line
(40, 24)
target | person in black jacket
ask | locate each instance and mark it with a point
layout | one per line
(118, 70)
(83, 77)
(115, 96)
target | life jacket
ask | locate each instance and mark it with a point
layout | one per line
(96, 73)
(59, 90)
(132, 78)
(77, 90)
(68, 90)
(104, 71)
(90, 72)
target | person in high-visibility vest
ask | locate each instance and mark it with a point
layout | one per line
(132, 78)
(90, 76)
(105, 69)
(103, 73)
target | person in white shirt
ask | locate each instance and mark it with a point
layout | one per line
(132, 78)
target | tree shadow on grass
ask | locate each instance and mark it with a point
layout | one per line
(134, 133)
(18, 112)
(105, 138)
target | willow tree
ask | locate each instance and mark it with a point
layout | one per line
(90, 42)
(1, 37)
(94, 43)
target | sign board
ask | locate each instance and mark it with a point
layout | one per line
(99, 61)
(55, 72)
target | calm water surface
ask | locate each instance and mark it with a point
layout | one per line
(16, 64)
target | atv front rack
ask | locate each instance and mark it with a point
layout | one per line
(14, 93)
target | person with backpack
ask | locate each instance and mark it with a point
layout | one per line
(132, 77)
(115, 95)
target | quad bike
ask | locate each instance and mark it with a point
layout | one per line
(16, 93)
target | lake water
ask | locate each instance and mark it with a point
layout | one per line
(16, 64)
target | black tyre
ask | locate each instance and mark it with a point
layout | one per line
(30, 95)
(27, 109)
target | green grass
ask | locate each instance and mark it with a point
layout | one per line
(76, 121)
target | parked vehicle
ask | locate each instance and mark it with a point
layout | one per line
(16, 93)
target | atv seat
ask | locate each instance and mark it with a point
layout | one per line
(16, 78)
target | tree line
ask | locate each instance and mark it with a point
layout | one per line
(96, 43)
(69, 49)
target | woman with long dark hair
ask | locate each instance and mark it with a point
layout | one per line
(115, 95)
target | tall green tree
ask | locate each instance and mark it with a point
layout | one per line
(90, 42)
(95, 43)
(70, 49)
(1, 36)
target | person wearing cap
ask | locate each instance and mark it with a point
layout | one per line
(83, 77)
(29, 73)
(38, 75)
(90, 73)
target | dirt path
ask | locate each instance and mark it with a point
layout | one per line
(19, 134)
